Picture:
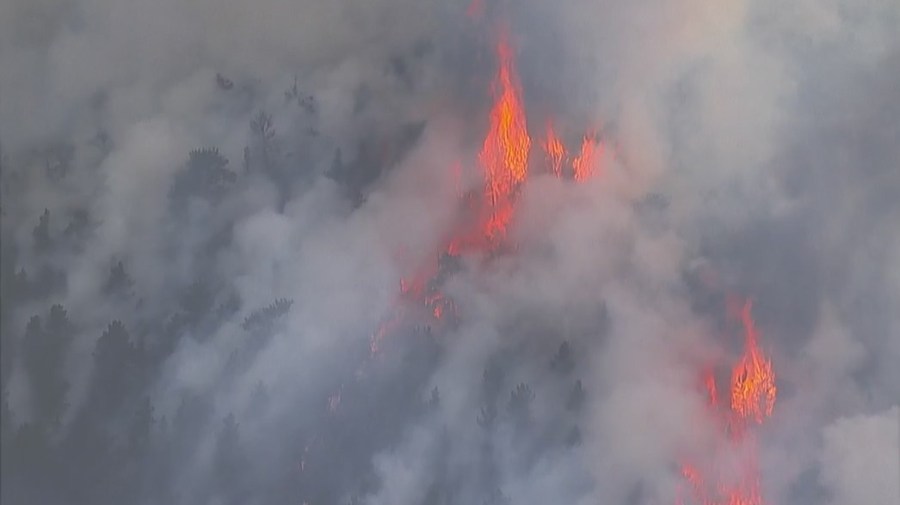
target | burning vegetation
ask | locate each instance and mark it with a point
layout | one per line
(752, 394)
(525, 253)
(504, 161)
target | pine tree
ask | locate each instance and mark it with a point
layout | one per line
(564, 360)
(205, 176)
(7, 432)
(141, 429)
(576, 397)
(113, 367)
(119, 283)
(29, 457)
(41, 233)
(13, 289)
(520, 401)
(229, 465)
(45, 347)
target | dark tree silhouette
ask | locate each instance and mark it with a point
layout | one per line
(520, 401)
(41, 233)
(204, 176)
(576, 397)
(119, 283)
(564, 361)
(44, 351)
(114, 367)
(262, 320)
(229, 463)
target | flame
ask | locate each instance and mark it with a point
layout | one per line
(504, 154)
(388, 325)
(740, 493)
(753, 393)
(753, 389)
(439, 305)
(709, 382)
(554, 150)
(583, 164)
(503, 159)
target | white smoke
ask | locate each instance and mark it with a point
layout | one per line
(753, 139)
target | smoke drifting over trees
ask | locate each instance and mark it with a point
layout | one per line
(208, 208)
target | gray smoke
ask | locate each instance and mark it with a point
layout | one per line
(242, 185)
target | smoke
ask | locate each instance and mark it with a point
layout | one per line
(852, 477)
(750, 151)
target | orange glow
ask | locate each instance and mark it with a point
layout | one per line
(554, 150)
(583, 164)
(387, 326)
(709, 381)
(475, 10)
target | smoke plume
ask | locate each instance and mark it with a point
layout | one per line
(404, 252)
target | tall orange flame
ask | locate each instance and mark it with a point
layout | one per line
(583, 164)
(554, 150)
(503, 159)
(753, 393)
(504, 154)
(753, 389)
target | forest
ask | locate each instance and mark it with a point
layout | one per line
(485, 252)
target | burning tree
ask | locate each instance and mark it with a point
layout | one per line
(752, 394)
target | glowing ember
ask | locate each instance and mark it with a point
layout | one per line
(753, 394)
(387, 326)
(439, 305)
(475, 10)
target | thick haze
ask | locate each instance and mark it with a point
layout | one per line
(753, 151)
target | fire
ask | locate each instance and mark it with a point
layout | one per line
(740, 493)
(503, 160)
(709, 381)
(554, 150)
(753, 389)
(387, 326)
(504, 154)
(583, 164)
(753, 393)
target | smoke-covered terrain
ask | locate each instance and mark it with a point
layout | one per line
(215, 215)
